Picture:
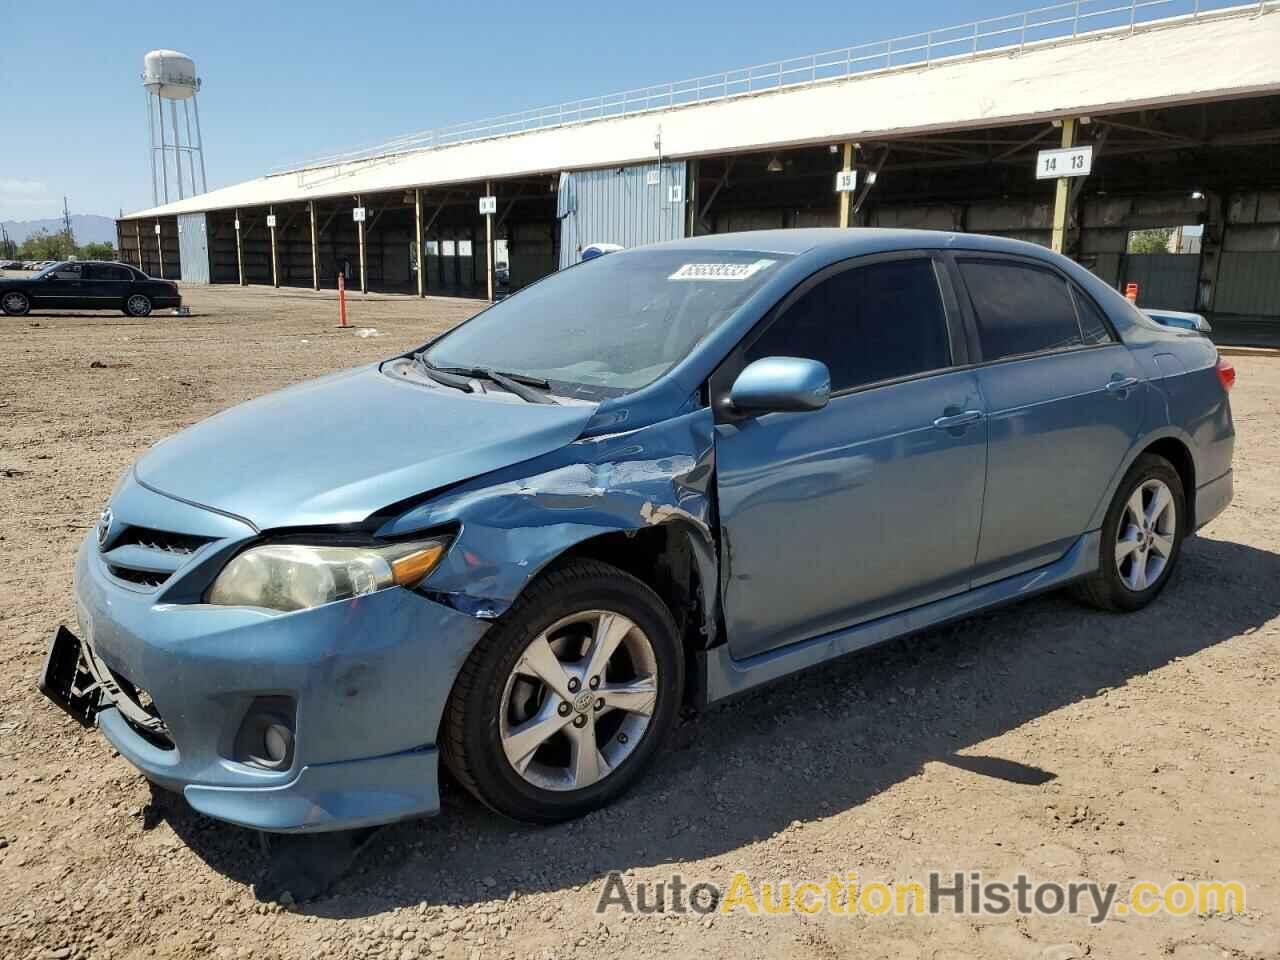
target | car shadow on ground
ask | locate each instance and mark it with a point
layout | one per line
(804, 749)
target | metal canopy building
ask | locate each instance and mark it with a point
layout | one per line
(1180, 103)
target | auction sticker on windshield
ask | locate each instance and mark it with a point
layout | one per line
(720, 271)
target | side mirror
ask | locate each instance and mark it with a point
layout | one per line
(781, 384)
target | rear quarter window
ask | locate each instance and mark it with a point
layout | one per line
(1093, 326)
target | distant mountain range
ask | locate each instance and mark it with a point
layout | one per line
(87, 227)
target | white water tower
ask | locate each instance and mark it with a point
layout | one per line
(169, 75)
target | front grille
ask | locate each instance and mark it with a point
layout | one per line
(182, 544)
(147, 558)
(143, 578)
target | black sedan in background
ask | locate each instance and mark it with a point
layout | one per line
(87, 285)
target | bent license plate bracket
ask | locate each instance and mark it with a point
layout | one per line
(67, 680)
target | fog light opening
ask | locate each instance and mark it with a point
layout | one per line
(266, 737)
(277, 743)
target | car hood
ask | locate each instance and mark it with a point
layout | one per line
(337, 449)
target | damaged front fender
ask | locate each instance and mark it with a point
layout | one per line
(515, 521)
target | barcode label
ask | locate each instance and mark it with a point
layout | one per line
(720, 271)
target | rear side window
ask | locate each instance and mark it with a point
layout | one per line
(1092, 324)
(867, 324)
(1019, 309)
(103, 271)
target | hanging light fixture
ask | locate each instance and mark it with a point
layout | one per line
(775, 165)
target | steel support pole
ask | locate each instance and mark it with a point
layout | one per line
(488, 243)
(151, 126)
(239, 251)
(691, 198)
(137, 232)
(164, 163)
(1063, 191)
(275, 269)
(844, 194)
(364, 279)
(204, 180)
(417, 233)
(159, 248)
(177, 147)
(191, 156)
(315, 256)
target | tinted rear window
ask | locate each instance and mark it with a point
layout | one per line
(1019, 309)
(105, 271)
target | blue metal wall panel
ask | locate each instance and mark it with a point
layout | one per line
(620, 205)
(193, 248)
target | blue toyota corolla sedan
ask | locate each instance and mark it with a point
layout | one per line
(667, 475)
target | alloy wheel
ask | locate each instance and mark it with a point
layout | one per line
(1146, 535)
(579, 700)
(14, 303)
(139, 305)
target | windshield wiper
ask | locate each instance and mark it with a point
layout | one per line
(439, 376)
(531, 389)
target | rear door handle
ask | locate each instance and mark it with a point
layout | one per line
(1122, 386)
(951, 421)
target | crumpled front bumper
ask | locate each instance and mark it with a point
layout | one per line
(368, 678)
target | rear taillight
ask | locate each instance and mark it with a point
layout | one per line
(1226, 374)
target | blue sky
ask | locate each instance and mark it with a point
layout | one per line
(285, 81)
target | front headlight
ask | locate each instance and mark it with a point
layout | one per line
(288, 576)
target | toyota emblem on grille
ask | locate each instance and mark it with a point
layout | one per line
(104, 527)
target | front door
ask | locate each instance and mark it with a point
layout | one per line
(63, 288)
(871, 505)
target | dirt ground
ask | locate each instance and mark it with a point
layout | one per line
(1042, 738)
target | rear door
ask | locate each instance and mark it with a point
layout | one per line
(871, 504)
(106, 284)
(1064, 401)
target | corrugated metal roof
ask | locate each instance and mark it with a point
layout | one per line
(1179, 62)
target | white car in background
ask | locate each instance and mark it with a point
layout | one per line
(1179, 318)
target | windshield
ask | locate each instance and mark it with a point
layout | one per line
(611, 325)
(48, 270)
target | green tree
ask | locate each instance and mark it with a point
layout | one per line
(1150, 241)
(43, 245)
(97, 250)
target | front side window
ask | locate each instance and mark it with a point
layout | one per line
(67, 271)
(1020, 309)
(610, 325)
(867, 324)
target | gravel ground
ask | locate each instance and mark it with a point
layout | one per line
(1042, 738)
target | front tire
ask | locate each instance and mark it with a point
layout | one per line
(565, 701)
(138, 305)
(15, 304)
(1141, 538)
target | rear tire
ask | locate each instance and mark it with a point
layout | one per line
(607, 643)
(15, 304)
(1142, 538)
(138, 305)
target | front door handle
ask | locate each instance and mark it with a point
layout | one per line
(1121, 386)
(951, 421)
